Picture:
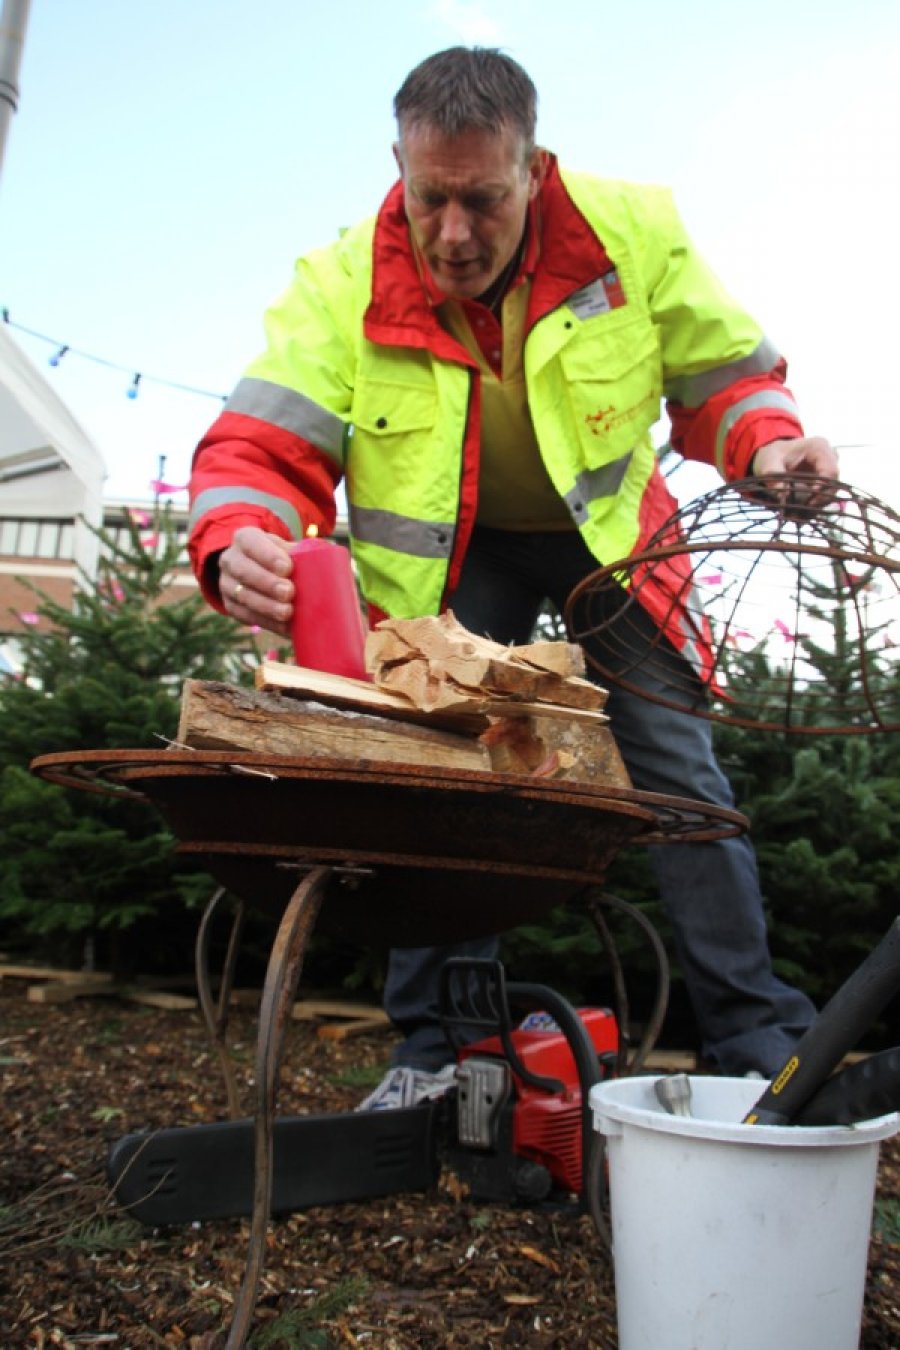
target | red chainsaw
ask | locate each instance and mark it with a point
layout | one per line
(515, 1128)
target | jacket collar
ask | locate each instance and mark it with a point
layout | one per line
(572, 255)
(400, 312)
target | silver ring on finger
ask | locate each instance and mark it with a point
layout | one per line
(237, 593)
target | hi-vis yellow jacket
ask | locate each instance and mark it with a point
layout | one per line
(360, 381)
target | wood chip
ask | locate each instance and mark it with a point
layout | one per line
(541, 1258)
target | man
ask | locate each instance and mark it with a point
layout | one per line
(482, 363)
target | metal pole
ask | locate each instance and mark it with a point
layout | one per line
(13, 22)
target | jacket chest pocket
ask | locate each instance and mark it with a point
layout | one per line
(392, 444)
(383, 410)
(613, 382)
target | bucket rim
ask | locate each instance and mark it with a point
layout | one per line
(610, 1114)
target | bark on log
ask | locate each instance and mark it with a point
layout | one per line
(216, 716)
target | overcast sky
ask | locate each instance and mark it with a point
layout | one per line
(171, 158)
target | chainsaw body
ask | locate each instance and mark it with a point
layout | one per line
(516, 1127)
(514, 1139)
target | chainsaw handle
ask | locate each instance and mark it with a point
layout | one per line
(838, 1027)
(539, 996)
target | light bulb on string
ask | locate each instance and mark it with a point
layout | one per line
(62, 348)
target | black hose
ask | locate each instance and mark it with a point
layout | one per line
(620, 991)
(663, 981)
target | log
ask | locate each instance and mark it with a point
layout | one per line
(339, 1031)
(66, 991)
(308, 1009)
(551, 747)
(216, 716)
(223, 717)
(25, 972)
(157, 998)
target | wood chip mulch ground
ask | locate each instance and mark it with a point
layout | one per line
(436, 1270)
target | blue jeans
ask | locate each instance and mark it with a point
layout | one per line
(748, 1018)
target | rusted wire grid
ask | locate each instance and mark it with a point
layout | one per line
(767, 579)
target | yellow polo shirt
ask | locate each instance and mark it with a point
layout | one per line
(514, 489)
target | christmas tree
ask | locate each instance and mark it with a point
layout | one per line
(825, 808)
(83, 869)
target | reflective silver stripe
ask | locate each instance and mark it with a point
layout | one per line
(691, 621)
(692, 390)
(403, 534)
(243, 496)
(766, 398)
(594, 483)
(292, 412)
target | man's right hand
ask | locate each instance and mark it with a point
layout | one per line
(255, 580)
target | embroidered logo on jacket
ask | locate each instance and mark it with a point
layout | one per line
(607, 419)
(600, 421)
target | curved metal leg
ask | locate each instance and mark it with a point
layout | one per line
(216, 1017)
(282, 977)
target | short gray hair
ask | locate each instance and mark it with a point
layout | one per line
(465, 89)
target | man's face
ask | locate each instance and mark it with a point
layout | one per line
(466, 199)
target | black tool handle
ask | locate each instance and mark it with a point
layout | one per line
(835, 1031)
(860, 1092)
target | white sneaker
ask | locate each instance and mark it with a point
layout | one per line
(403, 1086)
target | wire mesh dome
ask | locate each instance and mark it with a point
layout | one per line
(784, 598)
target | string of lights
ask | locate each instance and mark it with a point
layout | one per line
(64, 349)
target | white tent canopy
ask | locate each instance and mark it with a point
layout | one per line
(49, 467)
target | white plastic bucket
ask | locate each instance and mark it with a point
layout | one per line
(730, 1236)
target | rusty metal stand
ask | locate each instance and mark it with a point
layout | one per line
(490, 852)
(215, 1012)
(282, 977)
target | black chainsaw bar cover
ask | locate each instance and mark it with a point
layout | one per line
(196, 1172)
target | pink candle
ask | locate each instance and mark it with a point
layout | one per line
(327, 626)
